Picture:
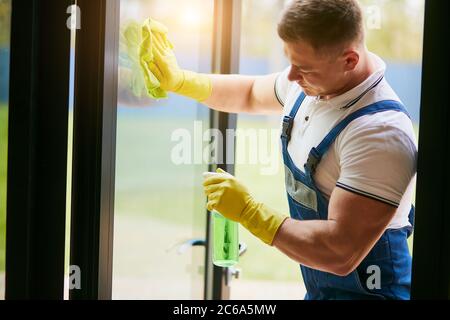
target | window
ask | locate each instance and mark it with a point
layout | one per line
(159, 205)
(266, 272)
(395, 33)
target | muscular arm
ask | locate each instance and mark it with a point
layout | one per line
(337, 245)
(244, 94)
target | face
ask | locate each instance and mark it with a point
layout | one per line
(319, 74)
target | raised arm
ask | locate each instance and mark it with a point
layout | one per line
(244, 94)
(227, 93)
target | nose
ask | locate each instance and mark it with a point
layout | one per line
(294, 75)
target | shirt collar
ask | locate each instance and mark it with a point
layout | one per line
(351, 97)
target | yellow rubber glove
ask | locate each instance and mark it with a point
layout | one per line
(232, 199)
(158, 60)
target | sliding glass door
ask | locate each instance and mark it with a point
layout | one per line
(160, 215)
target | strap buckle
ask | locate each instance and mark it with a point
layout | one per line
(313, 161)
(288, 124)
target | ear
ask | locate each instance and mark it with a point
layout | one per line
(351, 59)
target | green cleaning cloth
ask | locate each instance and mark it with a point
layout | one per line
(139, 41)
(130, 41)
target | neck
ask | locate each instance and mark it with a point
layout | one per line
(365, 68)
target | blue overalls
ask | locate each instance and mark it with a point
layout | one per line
(306, 202)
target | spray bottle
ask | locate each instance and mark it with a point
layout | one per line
(225, 241)
(225, 238)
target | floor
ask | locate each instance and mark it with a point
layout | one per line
(240, 290)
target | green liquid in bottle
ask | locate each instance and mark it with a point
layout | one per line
(226, 241)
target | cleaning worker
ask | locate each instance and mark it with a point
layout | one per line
(348, 146)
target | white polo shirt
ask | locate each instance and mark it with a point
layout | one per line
(374, 156)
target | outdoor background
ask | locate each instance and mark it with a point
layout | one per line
(159, 205)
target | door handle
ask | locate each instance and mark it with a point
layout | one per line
(184, 246)
(242, 248)
(230, 272)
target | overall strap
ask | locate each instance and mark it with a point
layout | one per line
(317, 153)
(288, 121)
(411, 219)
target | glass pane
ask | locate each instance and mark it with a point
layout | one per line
(159, 202)
(5, 16)
(394, 32)
(262, 53)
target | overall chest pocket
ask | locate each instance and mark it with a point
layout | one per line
(301, 193)
(300, 212)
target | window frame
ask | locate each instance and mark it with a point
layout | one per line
(431, 248)
(37, 149)
(94, 147)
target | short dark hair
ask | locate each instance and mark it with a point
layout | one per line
(322, 23)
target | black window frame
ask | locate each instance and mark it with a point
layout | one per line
(431, 248)
(94, 147)
(226, 45)
(37, 149)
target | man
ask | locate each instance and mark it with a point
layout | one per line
(348, 146)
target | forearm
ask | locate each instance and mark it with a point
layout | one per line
(230, 93)
(243, 94)
(315, 244)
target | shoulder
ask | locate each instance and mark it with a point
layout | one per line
(378, 149)
(390, 127)
(283, 87)
(377, 156)
(389, 130)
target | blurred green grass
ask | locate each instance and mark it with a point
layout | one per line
(147, 181)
